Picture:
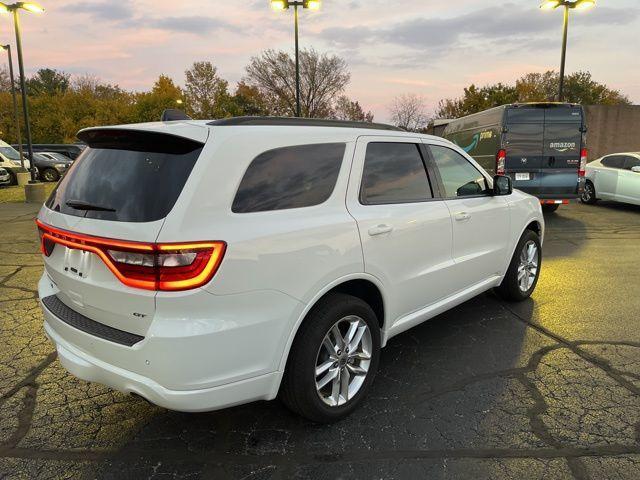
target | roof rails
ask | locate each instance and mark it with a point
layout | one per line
(300, 122)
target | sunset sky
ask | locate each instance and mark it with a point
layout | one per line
(432, 48)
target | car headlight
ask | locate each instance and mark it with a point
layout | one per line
(16, 162)
(61, 165)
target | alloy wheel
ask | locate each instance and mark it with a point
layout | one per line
(528, 266)
(343, 360)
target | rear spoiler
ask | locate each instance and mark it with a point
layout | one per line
(173, 114)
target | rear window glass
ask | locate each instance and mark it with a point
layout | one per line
(126, 176)
(525, 115)
(289, 177)
(563, 115)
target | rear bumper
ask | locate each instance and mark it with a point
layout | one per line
(201, 352)
(91, 369)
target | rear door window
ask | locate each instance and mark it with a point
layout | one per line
(289, 177)
(126, 176)
(394, 173)
(563, 115)
(613, 161)
(525, 115)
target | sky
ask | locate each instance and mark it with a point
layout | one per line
(432, 48)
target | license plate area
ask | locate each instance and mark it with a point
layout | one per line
(523, 176)
(77, 263)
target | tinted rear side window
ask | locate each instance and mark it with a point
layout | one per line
(630, 162)
(126, 176)
(289, 177)
(614, 161)
(394, 173)
(525, 115)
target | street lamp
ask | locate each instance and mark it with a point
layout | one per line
(568, 5)
(7, 47)
(34, 8)
(284, 5)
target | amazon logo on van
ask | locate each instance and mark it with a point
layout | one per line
(562, 146)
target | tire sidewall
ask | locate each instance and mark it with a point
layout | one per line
(49, 171)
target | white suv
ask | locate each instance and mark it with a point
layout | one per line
(202, 265)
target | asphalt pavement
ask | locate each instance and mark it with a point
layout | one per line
(545, 389)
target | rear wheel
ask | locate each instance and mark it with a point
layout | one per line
(588, 194)
(13, 179)
(550, 208)
(333, 360)
(50, 175)
(524, 270)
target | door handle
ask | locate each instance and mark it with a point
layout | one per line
(462, 216)
(380, 229)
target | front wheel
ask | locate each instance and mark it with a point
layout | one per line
(50, 175)
(524, 270)
(333, 359)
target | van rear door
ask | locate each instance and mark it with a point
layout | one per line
(523, 145)
(561, 152)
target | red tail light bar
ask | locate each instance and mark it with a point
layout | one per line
(149, 266)
(583, 162)
(501, 158)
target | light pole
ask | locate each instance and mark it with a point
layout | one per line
(568, 5)
(7, 47)
(284, 5)
(35, 8)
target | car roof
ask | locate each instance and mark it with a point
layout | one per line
(199, 130)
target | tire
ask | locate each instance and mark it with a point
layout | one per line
(13, 179)
(511, 288)
(550, 208)
(50, 175)
(589, 194)
(299, 390)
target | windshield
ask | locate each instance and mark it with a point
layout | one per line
(9, 152)
(126, 176)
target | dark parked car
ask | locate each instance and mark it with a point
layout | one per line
(72, 150)
(51, 166)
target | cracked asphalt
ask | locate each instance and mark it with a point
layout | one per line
(546, 389)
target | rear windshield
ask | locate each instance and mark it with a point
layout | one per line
(126, 176)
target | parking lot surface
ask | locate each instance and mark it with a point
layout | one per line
(546, 389)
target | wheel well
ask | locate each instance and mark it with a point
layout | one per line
(534, 227)
(366, 291)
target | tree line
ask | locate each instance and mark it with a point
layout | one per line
(61, 104)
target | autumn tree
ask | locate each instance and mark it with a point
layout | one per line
(149, 106)
(347, 109)
(579, 87)
(206, 93)
(5, 80)
(48, 81)
(409, 111)
(323, 78)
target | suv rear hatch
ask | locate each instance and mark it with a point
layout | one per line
(109, 208)
(543, 147)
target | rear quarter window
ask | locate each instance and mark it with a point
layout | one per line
(289, 177)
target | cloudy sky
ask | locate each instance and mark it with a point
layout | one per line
(430, 47)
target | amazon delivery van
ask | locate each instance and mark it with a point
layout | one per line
(541, 146)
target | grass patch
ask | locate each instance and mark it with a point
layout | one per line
(15, 194)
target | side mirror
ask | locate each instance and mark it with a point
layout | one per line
(636, 169)
(502, 185)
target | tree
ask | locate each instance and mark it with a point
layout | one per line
(408, 111)
(346, 109)
(248, 101)
(206, 93)
(322, 78)
(5, 80)
(48, 81)
(532, 87)
(150, 105)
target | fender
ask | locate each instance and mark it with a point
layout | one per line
(517, 239)
(309, 306)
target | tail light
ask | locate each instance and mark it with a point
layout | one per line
(583, 162)
(501, 158)
(149, 266)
